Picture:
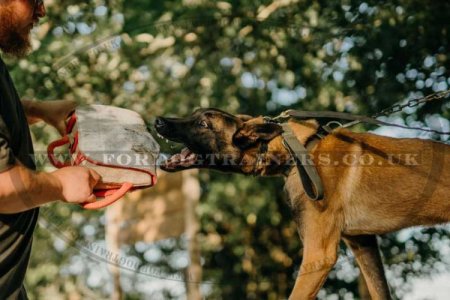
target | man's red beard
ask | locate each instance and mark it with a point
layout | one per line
(13, 40)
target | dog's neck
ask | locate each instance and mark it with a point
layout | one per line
(304, 130)
(278, 160)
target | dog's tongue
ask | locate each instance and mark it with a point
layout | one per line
(184, 159)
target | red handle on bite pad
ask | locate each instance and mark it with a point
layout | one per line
(51, 152)
(111, 196)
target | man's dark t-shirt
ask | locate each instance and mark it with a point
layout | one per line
(16, 230)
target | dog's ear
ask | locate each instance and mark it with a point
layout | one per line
(244, 118)
(249, 134)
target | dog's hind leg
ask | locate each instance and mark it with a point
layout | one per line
(367, 254)
(319, 256)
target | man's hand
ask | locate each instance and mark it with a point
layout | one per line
(77, 184)
(22, 189)
(54, 113)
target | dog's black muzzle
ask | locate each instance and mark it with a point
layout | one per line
(160, 123)
(171, 128)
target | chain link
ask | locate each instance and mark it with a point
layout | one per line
(412, 103)
(385, 112)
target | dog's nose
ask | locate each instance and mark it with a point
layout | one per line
(160, 122)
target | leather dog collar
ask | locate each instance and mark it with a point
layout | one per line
(309, 176)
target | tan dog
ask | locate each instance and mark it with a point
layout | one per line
(372, 184)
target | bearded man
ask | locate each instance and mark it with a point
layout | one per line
(22, 189)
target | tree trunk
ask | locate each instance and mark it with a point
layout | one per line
(193, 275)
(113, 220)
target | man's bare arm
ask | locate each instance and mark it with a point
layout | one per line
(53, 113)
(31, 111)
(22, 189)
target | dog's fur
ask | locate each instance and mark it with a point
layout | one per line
(399, 183)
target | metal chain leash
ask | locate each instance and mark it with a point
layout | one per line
(399, 107)
(356, 119)
(412, 103)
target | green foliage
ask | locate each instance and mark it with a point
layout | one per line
(174, 56)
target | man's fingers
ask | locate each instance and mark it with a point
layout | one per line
(70, 106)
(65, 108)
(94, 178)
(57, 112)
(91, 198)
(61, 127)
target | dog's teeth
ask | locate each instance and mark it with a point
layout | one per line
(185, 152)
(162, 158)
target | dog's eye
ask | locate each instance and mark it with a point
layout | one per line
(203, 124)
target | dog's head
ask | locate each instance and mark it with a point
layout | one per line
(218, 140)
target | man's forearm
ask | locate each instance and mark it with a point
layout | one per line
(32, 111)
(22, 189)
(54, 113)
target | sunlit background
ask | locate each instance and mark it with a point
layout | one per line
(253, 57)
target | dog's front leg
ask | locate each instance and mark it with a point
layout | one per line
(319, 256)
(367, 254)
